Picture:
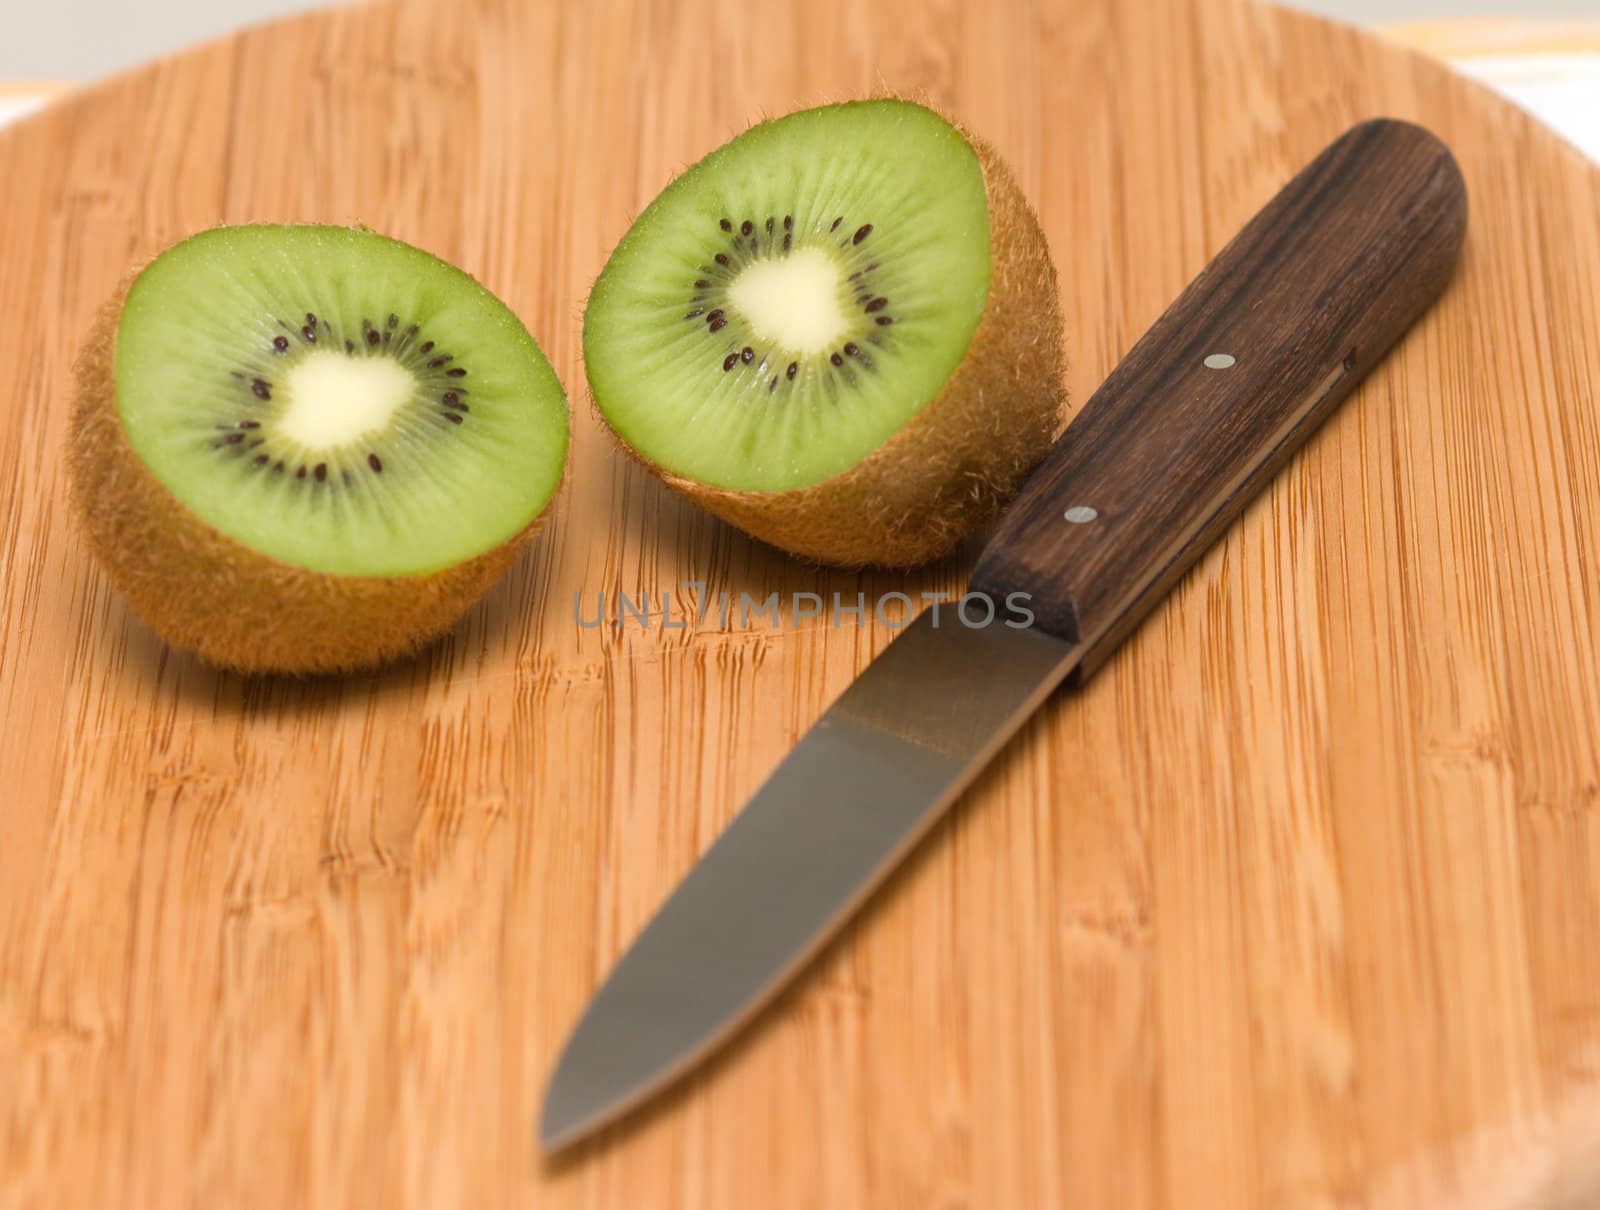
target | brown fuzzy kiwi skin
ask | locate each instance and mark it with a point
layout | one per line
(957, 462)
(198, 589)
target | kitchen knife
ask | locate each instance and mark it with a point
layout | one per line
(1229, 382)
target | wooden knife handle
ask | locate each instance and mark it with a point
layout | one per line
(1229, 382)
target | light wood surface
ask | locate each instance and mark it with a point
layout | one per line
(1466, 38)
(1295, 905)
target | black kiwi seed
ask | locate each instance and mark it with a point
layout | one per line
(376, 463)
(311, 318)
(277, 467)
(261, 460)
(452, 417)
(301, 473)
(861, 233)
(280, 343)
(717, 324)
(321, 472)
(770, 226)
(788, 222)
(249, 424)
(713, 315)
(728, 362)
(393, 323)
(438, 361)
(372, 336)
(836, 223)
(260, 389)
(851, 348)
(884, 321)
(696, 313)
(748, 354)
(349, 346)
(794, 367)
(455, 372)
(877, 304)
(425, 347)
(722, 259)
(309, 333)
(836, 359)
(233, 438)
(702, 284)
(788, 242)
(773, 385)
(726, 225)
(746, 227)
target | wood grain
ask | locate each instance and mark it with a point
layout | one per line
(1294, 905)
(1498, 37)
(1302, 304)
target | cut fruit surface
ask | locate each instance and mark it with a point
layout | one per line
(337, 400)
(309, 449)
(790, 302)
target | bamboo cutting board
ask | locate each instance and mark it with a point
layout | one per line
(1295, 905)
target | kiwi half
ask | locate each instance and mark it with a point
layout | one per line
(308, 449)
(839, 332)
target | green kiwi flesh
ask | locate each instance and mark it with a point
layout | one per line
(792, 300)
(337, 400)
(839, 331)
(302, 448)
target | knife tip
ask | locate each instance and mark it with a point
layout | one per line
(561, 1121)
(579, 1099)
(555, 1132)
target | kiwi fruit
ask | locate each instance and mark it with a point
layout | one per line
(839, 332)
(309, 449)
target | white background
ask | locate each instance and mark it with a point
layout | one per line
(74, 40)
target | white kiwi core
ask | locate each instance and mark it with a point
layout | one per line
(332, 399)
(796, 302)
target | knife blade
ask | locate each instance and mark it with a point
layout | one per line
(1190, 425)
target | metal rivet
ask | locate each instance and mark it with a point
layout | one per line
(1080, 514)
(1219, 361)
